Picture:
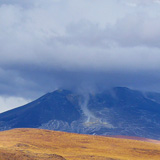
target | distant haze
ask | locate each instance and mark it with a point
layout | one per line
(77, 44)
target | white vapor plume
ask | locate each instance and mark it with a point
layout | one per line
(86, 111)
(92, 120)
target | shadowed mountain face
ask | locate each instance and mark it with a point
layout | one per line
(120, 111)
(51, 106)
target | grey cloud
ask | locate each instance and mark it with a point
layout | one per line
(45, 45)
(137, 30)
(130, 31)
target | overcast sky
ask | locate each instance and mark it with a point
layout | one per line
(77, 44)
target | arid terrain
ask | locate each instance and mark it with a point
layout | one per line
(38, 144)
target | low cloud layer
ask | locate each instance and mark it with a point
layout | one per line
(78, 44)
(8, 103)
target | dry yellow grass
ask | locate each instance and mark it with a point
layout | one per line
(37, 144)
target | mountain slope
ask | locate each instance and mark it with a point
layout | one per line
(119, 111)
(50, 106)
(37, 144)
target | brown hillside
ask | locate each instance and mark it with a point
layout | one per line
(37, 144)
(136, 138)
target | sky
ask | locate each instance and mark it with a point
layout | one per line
(81, 45)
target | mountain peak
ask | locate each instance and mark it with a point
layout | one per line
(120, 111)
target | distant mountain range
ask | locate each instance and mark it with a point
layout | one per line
(118, 111)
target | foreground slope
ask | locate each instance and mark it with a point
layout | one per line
(119, 111)
(38, 144)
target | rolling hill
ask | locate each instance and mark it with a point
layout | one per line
(38, 144)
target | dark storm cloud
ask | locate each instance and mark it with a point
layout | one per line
(45, 45)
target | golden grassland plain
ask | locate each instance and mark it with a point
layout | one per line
(38, 144)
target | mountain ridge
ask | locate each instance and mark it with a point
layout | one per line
(120, 111)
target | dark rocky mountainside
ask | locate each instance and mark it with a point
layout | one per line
(119, 111)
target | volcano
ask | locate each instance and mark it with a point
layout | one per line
(118, 111)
